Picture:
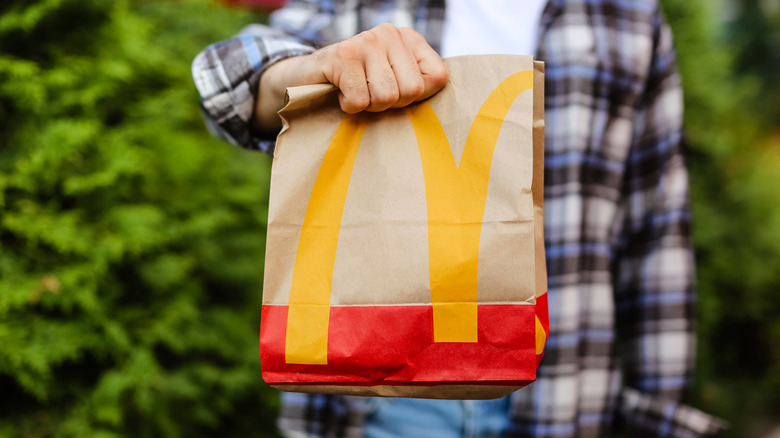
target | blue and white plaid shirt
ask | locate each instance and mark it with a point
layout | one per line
(617, 221)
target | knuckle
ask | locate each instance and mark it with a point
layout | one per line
(385, 97)
(367, 37)
(354, 99)
(385, 90)
(388, 29)
(352, 86)
(413, 89)
(439, 75)
(346, 50)
(354, 104)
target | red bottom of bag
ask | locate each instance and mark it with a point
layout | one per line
(393, 345)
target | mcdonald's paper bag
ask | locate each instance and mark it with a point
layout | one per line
(405, 254)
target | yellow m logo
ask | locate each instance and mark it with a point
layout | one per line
(455, 197)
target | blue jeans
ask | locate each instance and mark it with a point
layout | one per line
(410, 418)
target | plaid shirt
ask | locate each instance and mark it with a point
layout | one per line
(617, 221)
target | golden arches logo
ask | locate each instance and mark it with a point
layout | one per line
(455, 195)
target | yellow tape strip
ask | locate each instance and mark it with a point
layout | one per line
(456, 197)
(309, 306)
(541, 337)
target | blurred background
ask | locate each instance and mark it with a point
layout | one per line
(132, 243)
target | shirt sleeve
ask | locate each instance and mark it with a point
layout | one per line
(655, 290)
(227, 73)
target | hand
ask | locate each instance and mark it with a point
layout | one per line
(385, 67)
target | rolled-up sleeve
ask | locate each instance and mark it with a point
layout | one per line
(227, 75)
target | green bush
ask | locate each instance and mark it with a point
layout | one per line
(735, 173)
(132, 242)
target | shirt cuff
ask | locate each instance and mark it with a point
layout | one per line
(650, 416)
(227, 75)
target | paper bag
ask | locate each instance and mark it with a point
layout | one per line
(405, 254)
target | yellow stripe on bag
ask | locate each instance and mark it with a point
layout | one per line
(541, 337)
(456, 197)
(309, 307)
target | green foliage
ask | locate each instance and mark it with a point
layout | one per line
(735, 172)
(754, 33)
(132, 242)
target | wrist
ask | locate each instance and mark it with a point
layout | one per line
(270, 96)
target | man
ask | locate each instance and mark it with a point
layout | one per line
(620, 267)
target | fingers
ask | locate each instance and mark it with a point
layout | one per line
(383, 87)
(383, 68)
(354, 95)
(411, 85)
(432, 69)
